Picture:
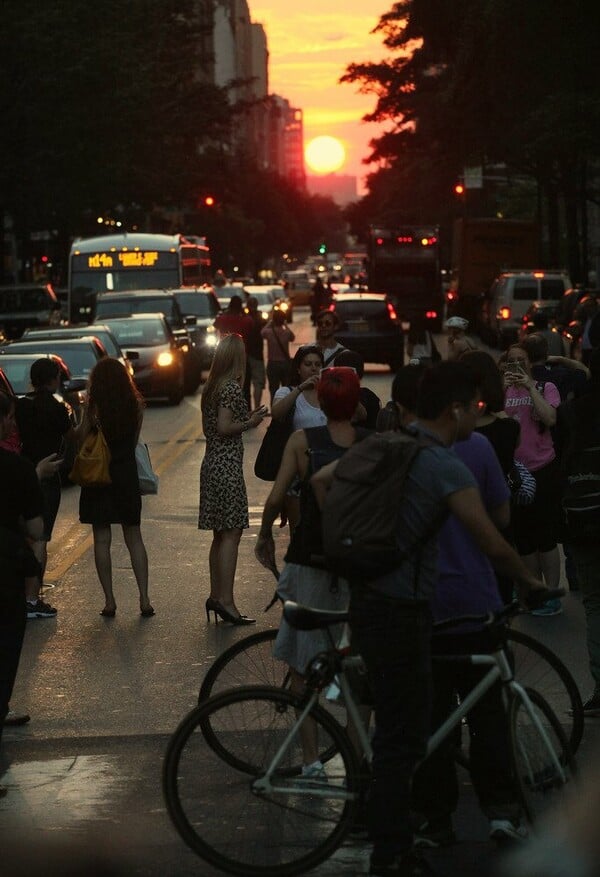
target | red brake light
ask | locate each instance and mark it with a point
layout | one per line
(405, 239)
(379, 241)
(391, 311)
(431, 315)
(504, 314)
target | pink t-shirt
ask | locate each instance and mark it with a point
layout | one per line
(536, 448)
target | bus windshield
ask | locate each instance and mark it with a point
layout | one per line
(127, 262)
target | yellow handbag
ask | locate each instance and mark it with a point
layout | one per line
(91, 465)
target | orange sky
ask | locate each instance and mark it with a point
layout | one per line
(310, 44)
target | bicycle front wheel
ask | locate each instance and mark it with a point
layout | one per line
(535, 666)
(543, 764)
(239, 821)
(249, 661)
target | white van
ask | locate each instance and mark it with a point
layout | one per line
(512, 293)
(298, 286)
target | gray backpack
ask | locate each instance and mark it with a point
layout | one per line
(361, 514)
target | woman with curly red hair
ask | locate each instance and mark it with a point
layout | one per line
(115, 406)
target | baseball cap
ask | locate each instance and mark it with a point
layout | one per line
(457, 323)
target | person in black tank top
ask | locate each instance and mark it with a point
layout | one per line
(304, 577)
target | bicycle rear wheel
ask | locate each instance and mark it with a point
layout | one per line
(536, 667)
(542, 776)
(222, 814)
(249, 661)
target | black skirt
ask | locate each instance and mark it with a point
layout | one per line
(119, 502)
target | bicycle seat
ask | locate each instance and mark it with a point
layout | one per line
(306, 618)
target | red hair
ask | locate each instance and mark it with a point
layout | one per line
(338, 391)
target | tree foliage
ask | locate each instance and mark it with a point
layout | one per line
(484, 81)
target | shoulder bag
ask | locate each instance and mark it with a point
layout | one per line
(522, 484)
(274, 441)
(146, 475)
(91, 467)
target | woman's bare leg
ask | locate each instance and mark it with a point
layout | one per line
(139, 561)
(225, 564)
(308, 730)
(102, 540)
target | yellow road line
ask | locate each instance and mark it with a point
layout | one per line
(77, 544)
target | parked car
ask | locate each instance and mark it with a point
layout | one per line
(27, 305)
(15, 369)
(155, 301)
(203, 304)
(509, 297)
(271, 298)
(225, 294)
(80, 354)
(156, 354)
(103, 333)
(298, 286)
(536, 310)
(370, 326)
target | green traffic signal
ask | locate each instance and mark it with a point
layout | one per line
(322, 249)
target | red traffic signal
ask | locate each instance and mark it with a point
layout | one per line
(459, 189)
(209, 201)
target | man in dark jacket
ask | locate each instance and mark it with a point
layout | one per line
(44, 426)
(20, 517)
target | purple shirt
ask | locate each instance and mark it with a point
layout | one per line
(466, 580)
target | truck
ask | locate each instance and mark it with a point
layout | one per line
(481, 250)
(404, 263)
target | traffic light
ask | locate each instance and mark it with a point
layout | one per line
(459, 189)
(209, 201)
(322, 249)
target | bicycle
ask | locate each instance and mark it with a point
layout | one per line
(250, 661)
(242, 746)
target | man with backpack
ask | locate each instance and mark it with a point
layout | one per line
(392, 586)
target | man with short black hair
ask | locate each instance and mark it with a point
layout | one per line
(44, 425)
(390, 617)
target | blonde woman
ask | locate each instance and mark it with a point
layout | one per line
(223, 498)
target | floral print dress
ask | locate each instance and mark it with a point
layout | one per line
(223, 498)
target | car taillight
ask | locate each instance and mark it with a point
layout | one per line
(431, 315)
(391, 311)
(451, 295)
(504, 314)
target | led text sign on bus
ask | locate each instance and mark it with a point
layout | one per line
(129, 259)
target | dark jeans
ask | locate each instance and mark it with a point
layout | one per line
(394, 639)
(435, 785)
(278, 375)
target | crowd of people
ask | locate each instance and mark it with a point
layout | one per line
(479, 543)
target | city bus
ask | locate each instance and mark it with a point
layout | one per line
(122, 262)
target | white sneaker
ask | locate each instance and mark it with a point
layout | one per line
(504, 829)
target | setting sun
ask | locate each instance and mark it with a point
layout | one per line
(325, 154)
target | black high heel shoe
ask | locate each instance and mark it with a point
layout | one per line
(220, 611)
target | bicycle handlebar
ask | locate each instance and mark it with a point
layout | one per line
(493, 619)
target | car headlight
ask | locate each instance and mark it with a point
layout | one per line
(283, 306)
(211, 339)
(165, 358)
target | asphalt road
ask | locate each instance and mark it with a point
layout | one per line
(105, 695)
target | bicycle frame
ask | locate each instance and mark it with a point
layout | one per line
(500, 669)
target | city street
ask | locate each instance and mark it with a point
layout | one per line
(105, 694)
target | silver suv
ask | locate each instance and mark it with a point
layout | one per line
(510, 296)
